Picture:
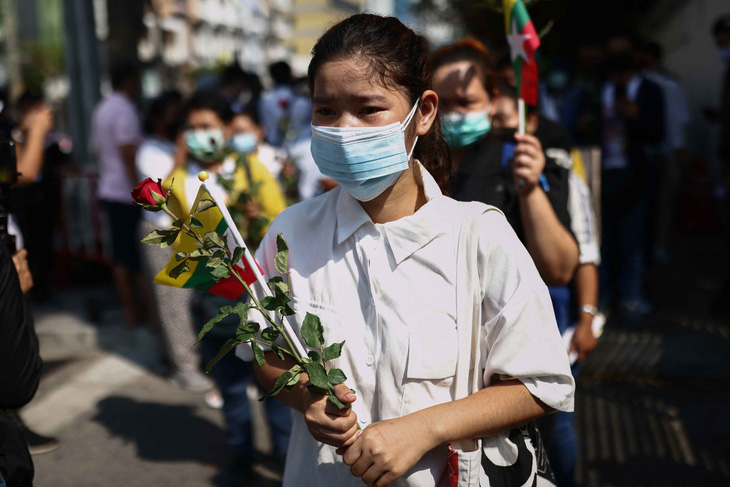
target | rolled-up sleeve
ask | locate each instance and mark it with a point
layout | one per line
(521, 339)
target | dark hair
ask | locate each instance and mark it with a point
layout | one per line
(157, 108)
(251, 113)
(399, 58)
(721, 25)
(653, 49)
(233, 73)
(468, 49)
(280, 72)
(122, 71)
(209, 100)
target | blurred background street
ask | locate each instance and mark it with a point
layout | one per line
(118, 406)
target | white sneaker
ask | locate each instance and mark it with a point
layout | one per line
(213, 399)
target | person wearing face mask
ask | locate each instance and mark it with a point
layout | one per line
(510, 170)
(239, 178)
(253, 198)
(378, 259)
(156, 159)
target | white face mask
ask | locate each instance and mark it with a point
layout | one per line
(365, 161)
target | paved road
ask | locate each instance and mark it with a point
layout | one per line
(652, 401)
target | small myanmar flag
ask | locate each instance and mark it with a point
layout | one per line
(523, 42)
(198, 277)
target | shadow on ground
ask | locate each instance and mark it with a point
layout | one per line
(161, 432)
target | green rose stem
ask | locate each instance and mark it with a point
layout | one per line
(257, 305)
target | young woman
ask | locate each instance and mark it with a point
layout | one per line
(532, 191)
(375, 259)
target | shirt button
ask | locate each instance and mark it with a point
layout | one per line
(363, 421)
(369, 361)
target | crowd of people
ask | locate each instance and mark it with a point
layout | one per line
(382, 148)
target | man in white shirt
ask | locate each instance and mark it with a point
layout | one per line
(116, 135)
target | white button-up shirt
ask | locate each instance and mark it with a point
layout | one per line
(389, 291)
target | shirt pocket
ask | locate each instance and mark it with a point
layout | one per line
(432, 351)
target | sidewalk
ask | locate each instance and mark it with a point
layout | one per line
(118, 420)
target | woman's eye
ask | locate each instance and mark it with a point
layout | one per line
(325, 112)
(369, 110)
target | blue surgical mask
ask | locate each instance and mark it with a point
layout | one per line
(462, 129)
(365, 161)
(205, 145)
(244, 143)
(724, 53)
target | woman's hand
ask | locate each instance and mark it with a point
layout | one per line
(529, 163)
(583, 341)
(328, 424)
(384, 451)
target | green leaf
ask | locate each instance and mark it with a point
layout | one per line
(293, 381)
(203, 205)
(258, 354)
(281, 261)
(270, 334)
(227, 347)
(281, 258)
(195, 223)
(222, 313)
(179, 269)
(213, 240)
(269, 302)
(216, 259)
(314, 355)
(169, 239)
(287, 310)
(277, 282)
(336, 376)
(333, 399)
(281, 244)
(317, 390)
(279, 385)
(220, 272)
(333, 351)
(158, 237)
(181, 256)
(200, 254)
(312, 331)
(238, 254)
(278, 351)
(317, 375)
(178, 223)
(247, 331)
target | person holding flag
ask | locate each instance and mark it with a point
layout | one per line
(253, 198)
(504, 168)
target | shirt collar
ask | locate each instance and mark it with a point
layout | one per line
(404, 236)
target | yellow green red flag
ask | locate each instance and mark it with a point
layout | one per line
(199, 277)
(523, 42)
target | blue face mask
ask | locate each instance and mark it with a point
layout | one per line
(365, 161)
(205, 145)
(244, 143)
(462, 129)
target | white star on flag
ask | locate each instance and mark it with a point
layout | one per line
(517, 43)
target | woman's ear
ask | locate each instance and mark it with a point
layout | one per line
(428, 110)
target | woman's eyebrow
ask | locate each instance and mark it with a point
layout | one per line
(373, 98)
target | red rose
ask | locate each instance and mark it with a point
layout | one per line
(150, 194)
